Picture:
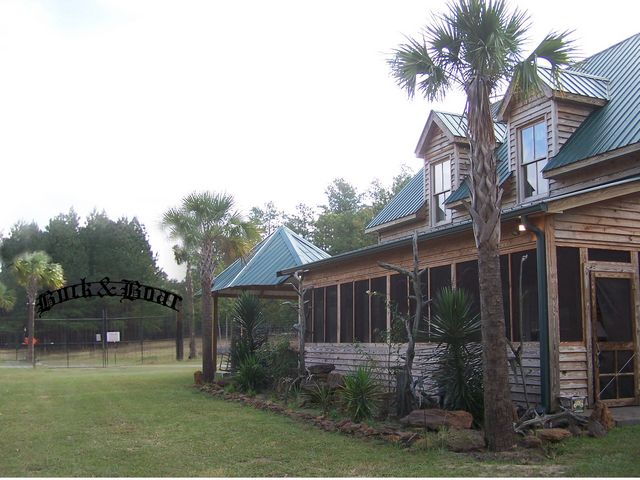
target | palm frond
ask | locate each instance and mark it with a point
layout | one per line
(412, 67)
(7, 297)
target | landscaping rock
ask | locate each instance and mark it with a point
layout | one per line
(553, 435)
(602, 415)
(464, 440)
(531, 441)
(595, 429)
(322, 368)
(435, 418)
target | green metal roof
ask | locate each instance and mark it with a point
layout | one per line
(577, 83)
(617, 124)
(502, 152)
(457, 125)
(281, 250)
(406, 202)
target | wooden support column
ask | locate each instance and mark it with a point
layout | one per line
(214, 333)
(553, 314)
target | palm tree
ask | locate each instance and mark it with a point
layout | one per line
(217, 232)
(476, 46)
(7, 298)
(34, 270)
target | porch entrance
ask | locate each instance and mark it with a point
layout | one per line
(614, 300)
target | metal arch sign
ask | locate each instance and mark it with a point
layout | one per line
(125, 289)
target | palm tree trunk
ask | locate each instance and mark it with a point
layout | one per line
(193, 352)
(208, 362)
(30, 330)
(485, 213)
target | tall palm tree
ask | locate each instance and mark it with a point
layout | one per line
(7, 298)
(476, 45)
(34, 270)
(210, 223)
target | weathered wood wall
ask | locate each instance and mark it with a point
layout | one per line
(383, 358)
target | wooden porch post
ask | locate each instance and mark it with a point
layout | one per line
(214, 334)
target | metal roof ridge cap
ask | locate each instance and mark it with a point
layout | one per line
(578, 73)
(288, 242)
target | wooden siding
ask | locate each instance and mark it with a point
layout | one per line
(440, 148)
(383, 358)
(441, 251)
(567, 117)
(609, 171)
(403, 231)
(573, 367)
(611, 224)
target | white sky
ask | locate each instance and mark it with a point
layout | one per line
(128, 105)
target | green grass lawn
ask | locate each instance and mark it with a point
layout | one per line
(149, 421)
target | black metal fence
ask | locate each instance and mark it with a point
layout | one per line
(96, 342)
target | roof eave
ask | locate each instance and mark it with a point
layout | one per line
(589, 161)
(394, 223)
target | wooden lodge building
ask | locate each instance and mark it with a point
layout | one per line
(569, 165)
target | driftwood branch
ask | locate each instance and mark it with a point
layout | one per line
(544, 420)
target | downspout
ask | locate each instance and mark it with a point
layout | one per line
(543, 322)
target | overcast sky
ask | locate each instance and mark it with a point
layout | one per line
(128, 105)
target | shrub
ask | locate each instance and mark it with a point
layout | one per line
(279, 360)
(459, 369)
(361, 394)
(251, 375)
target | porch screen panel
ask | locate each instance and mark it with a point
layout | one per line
(361, 310)
(506, 300)
(399, 295)
(346, 312)
(569, 294)
(318, 315)
(602, 255)
(331, 317)
(378, 309)
(529, 294)
(467, 279)
(615, 317)
(308, 315)
(439, 278)
(423, 328)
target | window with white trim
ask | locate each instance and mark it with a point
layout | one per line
(441, 189)
(533, 157)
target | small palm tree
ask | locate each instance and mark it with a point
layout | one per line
(210, 224)
(477, 46)
(34, 270)
(7, 298)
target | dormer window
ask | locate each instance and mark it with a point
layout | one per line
(441, 188)
(533, 154)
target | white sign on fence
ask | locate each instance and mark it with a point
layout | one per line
(113, 337)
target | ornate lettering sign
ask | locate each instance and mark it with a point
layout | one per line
(125, 289)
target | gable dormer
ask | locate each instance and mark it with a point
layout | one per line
(539, 126)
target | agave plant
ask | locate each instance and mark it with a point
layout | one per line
(320, 394)
(361, 394)
(459, 370)
(249, 328)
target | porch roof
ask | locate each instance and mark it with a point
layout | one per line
(283, 249)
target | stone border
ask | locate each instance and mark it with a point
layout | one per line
(360, 430)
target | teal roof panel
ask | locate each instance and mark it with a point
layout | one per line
(502, 153)
(281, 250)
(457, 125)
(577, 83)
(406, 202)
(617, 124)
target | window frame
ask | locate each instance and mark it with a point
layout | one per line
(436, 193)
(536, 160)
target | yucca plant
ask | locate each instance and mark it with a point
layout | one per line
(249, 332)
(320, 394)
(251, 375)
(361, 394)
(459, 370)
